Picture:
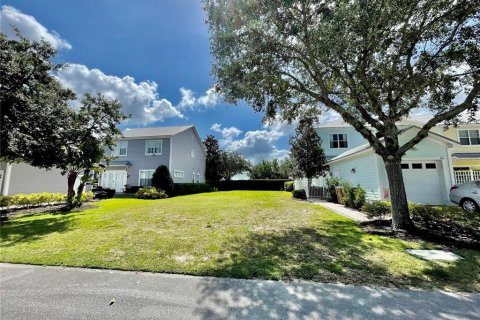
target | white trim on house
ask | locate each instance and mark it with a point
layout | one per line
(469, 138)
(178, 174)
(160, 146)
(116, 148)
(170, 155)
(330, 139)
(140, 177)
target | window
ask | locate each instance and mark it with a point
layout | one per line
(193, 177)
(417, 166)
(198, 177)
(120, 149)
(469, 137)
(153, 147)
(430, 166)
(178, 174)
(405, 166)
(145, 178)
(338, 140)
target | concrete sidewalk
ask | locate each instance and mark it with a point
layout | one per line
(33, 292)
(341, 209)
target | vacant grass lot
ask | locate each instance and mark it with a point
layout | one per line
(246, 234)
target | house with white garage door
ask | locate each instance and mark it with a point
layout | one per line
(139, 152)
(444, 158)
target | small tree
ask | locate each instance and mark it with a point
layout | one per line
(81, 146)
(232, 164)
(162, 180)
(213, 166)
(306, 149)
(267, 170)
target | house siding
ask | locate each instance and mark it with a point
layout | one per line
(365, 174)
(139, 161)
(354, 139)
(182, 145)
(25, 179)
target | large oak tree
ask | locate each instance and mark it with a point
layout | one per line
(371, 61)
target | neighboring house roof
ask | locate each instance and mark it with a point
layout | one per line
(367, 146)
(119, 163)
(155, 131)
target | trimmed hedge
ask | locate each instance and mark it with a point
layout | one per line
(181, 189)
(36, 199)
(254, 184)
(377, 209)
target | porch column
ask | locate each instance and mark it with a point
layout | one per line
(6, 179)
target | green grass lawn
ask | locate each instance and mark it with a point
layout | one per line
(245, 234)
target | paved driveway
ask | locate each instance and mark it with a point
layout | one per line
(32, 292)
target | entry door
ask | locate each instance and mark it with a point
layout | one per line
(114, 179)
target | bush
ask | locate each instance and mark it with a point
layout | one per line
(33, 199)
(150, 193)
(377, 209)
(254, 184)
(348, 195)
(360, 197)
(288, 186)
(162, 180)
(299, 194)
(86, 196)
(331, 192)
(180, 189)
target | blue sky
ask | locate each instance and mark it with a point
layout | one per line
(151, 55)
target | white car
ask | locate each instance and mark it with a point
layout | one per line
(466, 195)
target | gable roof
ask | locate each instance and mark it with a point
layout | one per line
(367, 146)
(155, 131)
(412, 120)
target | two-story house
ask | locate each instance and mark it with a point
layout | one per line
(140, 151)
(442, 159)
(137, 154)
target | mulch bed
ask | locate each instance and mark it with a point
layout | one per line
(444, 232)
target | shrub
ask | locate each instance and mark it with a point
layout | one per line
(150, 193)
(33, 199)
(103, 193)
(86, 196)
(359, 197)
(162, 180)
(253, 184)
(377, 209)
(331, 192)
(180, 189)
(299, 194)
(348, 194)
(288, 186)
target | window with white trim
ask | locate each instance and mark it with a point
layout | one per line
(338, 141)
(153, 147)
(178, 174)
(469, 137)
(120, 149)
(198, 177)
(145, 178)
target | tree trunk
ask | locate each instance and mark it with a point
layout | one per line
(400, 215)
(71, 178)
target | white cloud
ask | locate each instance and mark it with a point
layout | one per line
(29, 26)
(189, 101)
(227, 133)
(137, 98)
(257, 145)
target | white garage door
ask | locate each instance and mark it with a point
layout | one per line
(424, 181)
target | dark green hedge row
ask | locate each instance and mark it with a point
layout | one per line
(255, 184)
(180, 189)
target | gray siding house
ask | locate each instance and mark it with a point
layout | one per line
(140, 151)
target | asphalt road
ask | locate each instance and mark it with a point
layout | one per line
(33, 292)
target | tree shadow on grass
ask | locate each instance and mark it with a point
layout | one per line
(336, 251)
(18, 231)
